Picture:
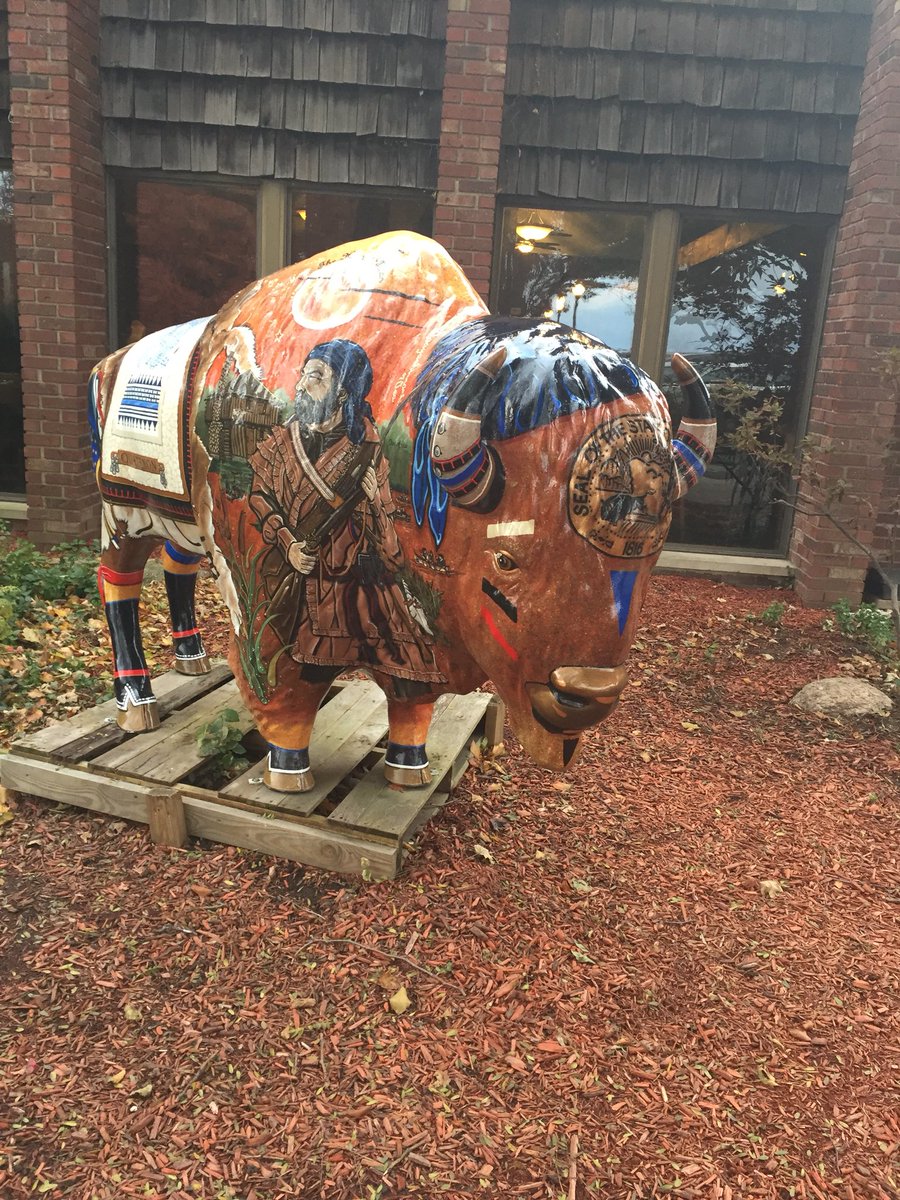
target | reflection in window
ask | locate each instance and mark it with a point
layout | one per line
(580, 268)
(182, 250)
(321, 220)
(12, 458)
(744, 303)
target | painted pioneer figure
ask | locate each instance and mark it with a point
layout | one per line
(321, 495)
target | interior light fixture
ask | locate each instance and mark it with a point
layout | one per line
(525, 247)
(533, 230)
(301, 213)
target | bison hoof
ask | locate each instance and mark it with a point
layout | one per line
(406, 766)
(138, 717)
(288, 771)
(193, 666)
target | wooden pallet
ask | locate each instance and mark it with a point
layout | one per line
(352, 821)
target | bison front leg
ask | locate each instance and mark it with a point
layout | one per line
(119, 578)
(406, 763)
(181, 569)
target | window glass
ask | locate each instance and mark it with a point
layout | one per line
(581, 268)
(321, 220)
(12, 457)
(743, 313)
(182, 250)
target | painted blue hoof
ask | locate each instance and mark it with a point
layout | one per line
(288, 770)
(406, 766)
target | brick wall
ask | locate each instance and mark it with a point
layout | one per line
(471, 120)
(60, 220)
(854, 413)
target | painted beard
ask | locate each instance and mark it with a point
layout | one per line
(313, 413)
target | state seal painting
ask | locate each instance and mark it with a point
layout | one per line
(622, 486)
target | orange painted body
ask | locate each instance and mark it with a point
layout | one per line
(323, 443)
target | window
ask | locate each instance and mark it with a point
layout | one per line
(743, 312)
(182, 249)
(321, 220)
(744, 302)
(581, 268)
(12, 458)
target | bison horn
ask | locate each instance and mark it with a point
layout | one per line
(695, 442)
(469, 471)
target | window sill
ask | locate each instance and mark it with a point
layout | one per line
(745, 568)
(12, 509)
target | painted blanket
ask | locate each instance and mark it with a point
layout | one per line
(144, 442)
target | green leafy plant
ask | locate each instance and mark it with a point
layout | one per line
(29, 575)
(773, 613)
(220, 741)
(866, 624)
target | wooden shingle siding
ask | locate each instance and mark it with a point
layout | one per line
(275, 88)
(726, 103)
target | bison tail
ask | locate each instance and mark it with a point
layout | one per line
(95, 414)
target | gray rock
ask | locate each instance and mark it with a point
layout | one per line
(843, 697)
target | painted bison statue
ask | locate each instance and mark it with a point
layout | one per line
(385, 477)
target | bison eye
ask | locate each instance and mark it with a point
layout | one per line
(504, 561)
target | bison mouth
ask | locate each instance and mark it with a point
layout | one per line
(575, 698)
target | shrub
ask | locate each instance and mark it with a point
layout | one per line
(866, 624)
(28, 574)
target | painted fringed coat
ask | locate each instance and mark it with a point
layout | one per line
(349, 610)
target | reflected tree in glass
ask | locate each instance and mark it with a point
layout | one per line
(743, 315)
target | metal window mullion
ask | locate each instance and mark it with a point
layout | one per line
(272, 226)
(657, 280)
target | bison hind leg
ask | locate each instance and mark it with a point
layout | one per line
(120, 578)
(180, 567)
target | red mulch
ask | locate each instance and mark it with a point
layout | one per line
(610, 1008)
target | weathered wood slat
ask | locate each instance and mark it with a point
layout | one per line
(171, 752)
(94, 731)
(346, 729)
(370, 805)
(204, 817)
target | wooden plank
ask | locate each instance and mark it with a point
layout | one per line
(346, 729)
(75, 785)
(311, 844)
(171, 752)
(494, 721)
(374, 806)
(165, 815)
(206, 818)
(94, 730)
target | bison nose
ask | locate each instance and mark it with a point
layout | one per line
(588, 685)
(576, 697)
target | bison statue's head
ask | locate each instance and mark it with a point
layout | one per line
(545, 468)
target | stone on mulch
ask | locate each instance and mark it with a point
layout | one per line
(843, 697)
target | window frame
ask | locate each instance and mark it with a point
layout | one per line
(656, 288)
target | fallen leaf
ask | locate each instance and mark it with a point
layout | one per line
(132, 1013)
(32, 636)
(560, 785)
(550, 1047)
(118, 1077)
(689, 726)
(770, 888)
(389, 979)
(143, 1091)
(483, 852)
(400, 1002)
(580, 885)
